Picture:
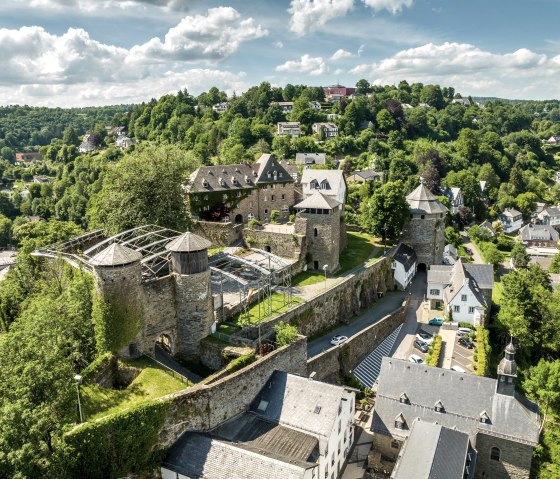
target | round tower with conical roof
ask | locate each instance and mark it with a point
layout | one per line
(507, 371)
(425, 229)
(193, 295)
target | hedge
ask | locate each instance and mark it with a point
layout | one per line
(432, 358)
(482, 351)
(115, 446)
(240, 362)
(97, 366)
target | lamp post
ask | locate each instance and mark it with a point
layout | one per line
(78, 380)
(384, 237)
(325, 267)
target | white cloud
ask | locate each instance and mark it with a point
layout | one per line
(306, 64)
(393, 6)
(93, 5)
(470, 69)
(278, 45)
(341, 54)
(361, 49)
(308, 15)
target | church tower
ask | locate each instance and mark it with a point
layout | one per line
(424, 231)
(507, 372)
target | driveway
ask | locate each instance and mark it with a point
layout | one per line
(379, 310)
(470, 245)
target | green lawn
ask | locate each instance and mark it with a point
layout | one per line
(497, 292)
(278, 307)
(152, 382)
(361, 247)
(306, 278)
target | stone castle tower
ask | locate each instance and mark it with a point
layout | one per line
(319, 218)
(177, 307)
(507, 372)
(425, 229)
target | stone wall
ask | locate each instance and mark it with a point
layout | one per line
(219, 234)
(282, 244)
(334, 364)
(515, 460)
(426, 235)
(336, 305)
(204, 406)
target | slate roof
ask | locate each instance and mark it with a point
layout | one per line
(486, 224)
(318, 200)
(532, 232)
(421, 200)
(450, 250)
(302, 403)
(451, 192)
(368, 174)
(481, 274)
(464, 396)
(332, 180)
(233, 177)
(200, 456)
(188, 242)
(461, 277)
(433, 452)
(510, 213)
(405, 255)
(440, 273)
(267, 165)
(311, 158)
(550, 212)
(115, 255)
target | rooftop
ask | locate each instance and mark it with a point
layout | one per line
(405, 255)
(188, 242)
(422, 200)
(115, 255)
(329, 182)
(318, 200)
(533, 232)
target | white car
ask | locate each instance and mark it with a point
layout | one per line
(336, 340)
(425, 337)
(464, 331)
(414, 358)
(458, 369)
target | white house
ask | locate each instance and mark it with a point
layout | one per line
(553, 140)
(463, 290)
(289, 128)
(455, 197)
(549, 216)
(404, 266)
(287, 106)
(557, 179)
(86, 146)
(310, 159)
(461, 101)
(124, 142)
(295, 428)
(220, 107)
(450, 254)
(315, 105)
(329, 182)
(511, 219)
(330, 129)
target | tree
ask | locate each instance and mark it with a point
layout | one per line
(432, 95)
(453, 237)
(543, 385)
(363, 87)
(492, 255)
(385, 213)
(145, 187)
(519, 256)
(285, 333)
(526, 203)
(385, 121)
(555, 264)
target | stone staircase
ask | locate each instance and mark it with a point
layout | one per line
(368, 370)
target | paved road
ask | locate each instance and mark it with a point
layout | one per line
(380, 309)
(468, 244)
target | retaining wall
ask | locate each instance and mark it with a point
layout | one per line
(219, 234)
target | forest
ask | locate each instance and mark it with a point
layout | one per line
(404, 131)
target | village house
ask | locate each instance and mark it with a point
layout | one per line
(124, 142)
(502, 426)
(315, 105)
(87, 145)
(330, 129)
(511, 220)
(220, 107)
(336, 93)
(329, 182)
(289, 128)
(404, 266)
(454, 196)
(538, 236)
(461, 101)
(364, 176)
(310, 159)
(549, 216)
(295, 428)
(487, 226)
(240, 193)
(287, 106)
(463, 290)
(28, 157)
(553, 140)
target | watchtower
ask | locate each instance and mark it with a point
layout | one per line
(424, 231)
(193, 296)
(319, 218)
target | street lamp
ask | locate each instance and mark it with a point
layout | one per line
(325, 267)
(78, 380)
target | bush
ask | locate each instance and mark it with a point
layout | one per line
(432, 358)
(480, 359)
(292, 218)
(274, 216)
(253, 223)
(285, 333)
(240, 362)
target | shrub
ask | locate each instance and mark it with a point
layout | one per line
(480, 359)
(285, 333)
(253, 223)
(240, 362)
(432, 358)
(292, 218)
(274, 216)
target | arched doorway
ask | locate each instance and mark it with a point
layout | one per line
(267, 249)
(239, 219)
(165, 343)
(422, 267)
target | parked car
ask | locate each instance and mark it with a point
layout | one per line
(336, 340)
(424, 336)
(421, 345)
(469, 251)
(466, 342)
(464, 331)
(437, 321)
(414, 358)
(458, 369)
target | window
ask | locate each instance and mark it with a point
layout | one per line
(206, 208)
(495, 454)
(238, 194)
(266, 211)
(262, 405)
(250, 204)
(471, 309)
(250, 216)
(434, 292)
(421, 217)
(339, 425)
(317, 410)
(272, 198)
(456, 308)
(283, 197)
(314, 231)
(285, 208)
(394, 444)
(399, 425)
(463, 297)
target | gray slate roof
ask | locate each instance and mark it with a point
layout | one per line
(482, 274)
(268, 164)
(115, 255)
(533, 232)
(318, 200)
(299, 402)
(188, 242)
(200, 456)
(311, 158)
(422, 201)
(405, 255)
(368, 174)
(464, 396)
(550, 212)
(234, 177)
(433, 452)
(510, 213)
(487, 225)
(332, 181)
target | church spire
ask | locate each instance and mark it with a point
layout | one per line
(507, 371)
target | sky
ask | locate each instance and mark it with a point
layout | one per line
(103, 52)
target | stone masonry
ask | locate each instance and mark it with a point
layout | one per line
(514, 463)
(425, 234)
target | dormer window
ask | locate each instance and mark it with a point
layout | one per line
(255, 173)
(404, 399)
(400, 422)
(439, 407)
(269, 175)
(234, 180)
(484, 418)
(281, 174)
(247, 179)
(204, 183)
